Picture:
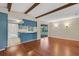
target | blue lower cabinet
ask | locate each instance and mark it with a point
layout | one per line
(27, 36)
(3, 30)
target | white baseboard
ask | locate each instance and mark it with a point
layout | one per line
(2, 49)
(28, 41)
(65, 38)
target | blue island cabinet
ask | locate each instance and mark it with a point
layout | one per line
(3, 30)
(25, 37)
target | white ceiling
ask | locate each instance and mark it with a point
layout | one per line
(43, 8)
(21, 7)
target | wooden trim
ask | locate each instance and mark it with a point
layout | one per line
(32, 7)
(57, 9)
(9, 6)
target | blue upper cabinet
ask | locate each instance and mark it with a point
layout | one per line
(3, 30)
(29, 23)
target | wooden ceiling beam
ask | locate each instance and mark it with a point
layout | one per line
(32, 7)
(57, 9)
(9, 6)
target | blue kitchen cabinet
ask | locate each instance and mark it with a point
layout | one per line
(3, 30)
(27, 36)
(24, 37)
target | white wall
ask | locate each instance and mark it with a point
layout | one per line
(71, 32)
(4, 10)
(12, 30)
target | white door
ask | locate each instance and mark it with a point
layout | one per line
(13, 34)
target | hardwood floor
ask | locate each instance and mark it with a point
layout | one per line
(44, 47)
